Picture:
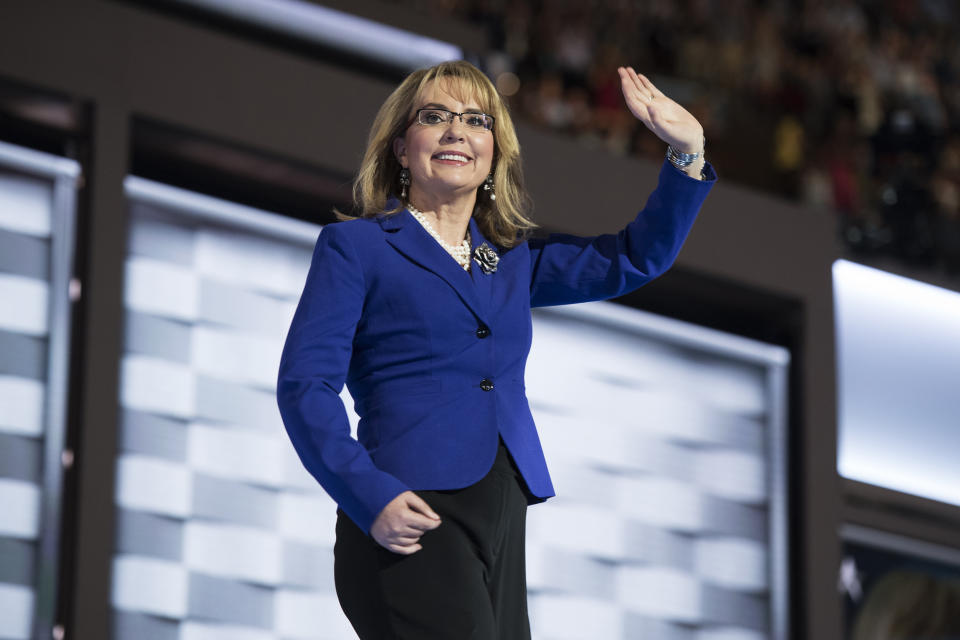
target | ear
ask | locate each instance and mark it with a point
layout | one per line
(400, 151)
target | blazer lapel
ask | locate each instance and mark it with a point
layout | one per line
(482, 282)
(409, 237)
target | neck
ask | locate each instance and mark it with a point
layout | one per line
(449, 216)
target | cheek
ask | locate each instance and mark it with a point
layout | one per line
(485, 149)
(417, 146)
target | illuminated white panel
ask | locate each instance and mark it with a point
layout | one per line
(16, 611)
(159, 386)
(157, 486)
(37, 208)
(731, 562)
(730, 385)
(352, 416)
(338, 30)
(236, 454)
(250, 262)
(728, 633)
(25, 204)
(308, 518)
(161, 288)
(594, 532)
(20, 517)
(232, 551)
(149, 585)
(898, 355)
(613, 445)
(676, 415)
(24, 305)
(661, 593)
(734, 475)
(541, 379)
(22, 402)
(580, 483)
(243, 406)
(572, 618)
(558, 432)
(663, 502)
(300, 614)
(573, 572)
(295, 475)
(190, 630)
(161, 240)
(237, 356)
(235, 307)
(538, 559)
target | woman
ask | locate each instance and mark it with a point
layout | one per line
(422, 306)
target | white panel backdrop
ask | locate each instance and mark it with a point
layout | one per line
(36, 236)
(898, 366)
(663, 441)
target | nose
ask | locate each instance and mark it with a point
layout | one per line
(454, 129)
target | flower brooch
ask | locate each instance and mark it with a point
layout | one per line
(486, 257)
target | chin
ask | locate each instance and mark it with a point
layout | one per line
(454, 188)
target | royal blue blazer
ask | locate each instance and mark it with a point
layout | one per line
(433, 355)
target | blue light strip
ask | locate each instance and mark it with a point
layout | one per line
(337, 30)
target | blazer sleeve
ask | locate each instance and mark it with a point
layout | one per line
(313, 369)
(565, 269)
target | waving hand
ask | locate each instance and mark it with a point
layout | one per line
(668, 120)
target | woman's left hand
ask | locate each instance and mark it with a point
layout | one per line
(668, 120)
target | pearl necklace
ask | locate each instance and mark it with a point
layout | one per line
(460, 252)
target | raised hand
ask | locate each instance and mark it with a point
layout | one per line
(400, 524)
(668, 120)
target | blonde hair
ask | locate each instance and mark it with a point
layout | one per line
(908, 604)
(503, 221)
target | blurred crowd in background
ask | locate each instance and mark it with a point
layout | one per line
(851, 106)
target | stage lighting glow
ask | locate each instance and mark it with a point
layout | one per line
(898, 366)
(508, 83)
(337, 30)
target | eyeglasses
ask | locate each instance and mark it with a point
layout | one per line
(434, 116)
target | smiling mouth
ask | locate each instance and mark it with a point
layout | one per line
(451, 157)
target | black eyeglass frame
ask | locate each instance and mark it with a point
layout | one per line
(416, 118)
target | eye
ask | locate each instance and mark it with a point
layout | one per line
(476, 120)
(432, 117)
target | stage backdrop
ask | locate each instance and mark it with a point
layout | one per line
(665, 441)
(37, 209)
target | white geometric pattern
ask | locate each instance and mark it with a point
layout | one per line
(16, 604)
(22, 402)
(26, 220)
(658, 451)
(25, 308)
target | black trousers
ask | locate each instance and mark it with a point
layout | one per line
(467, 582)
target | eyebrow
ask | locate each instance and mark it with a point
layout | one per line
(437, 105)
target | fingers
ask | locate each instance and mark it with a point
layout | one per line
(404, 549)
(419, 505)
(415, 525)
(406, 541)
(420, 524)
(403, 522)
(642, 88)
(632, 87)
(643, 82)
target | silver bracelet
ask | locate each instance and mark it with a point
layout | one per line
(683, 160)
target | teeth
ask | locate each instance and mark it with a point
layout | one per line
(452, 156)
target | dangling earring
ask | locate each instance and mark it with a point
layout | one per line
(488, 187)
(404, 182)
